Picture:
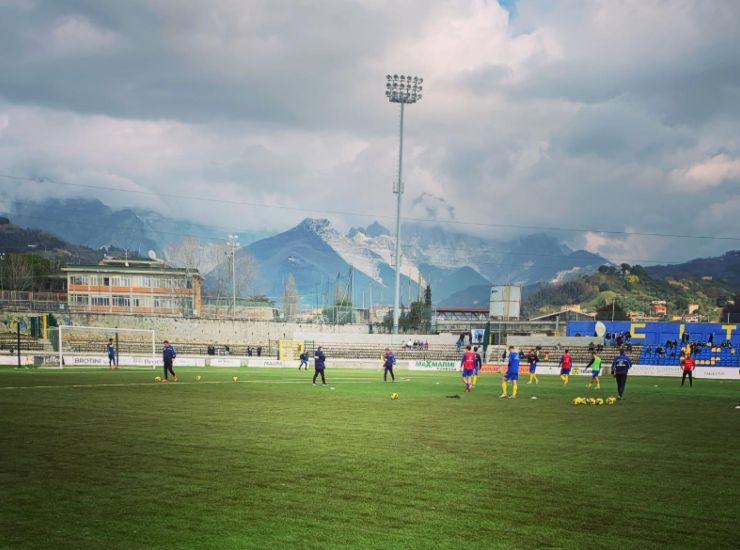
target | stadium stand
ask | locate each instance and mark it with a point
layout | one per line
(9, 342)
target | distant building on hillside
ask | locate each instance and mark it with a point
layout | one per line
(658, 308)
(133, 286)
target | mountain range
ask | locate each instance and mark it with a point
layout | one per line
(89, 222)
(460, 267)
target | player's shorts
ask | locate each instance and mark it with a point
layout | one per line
(532, 367)
(564, 371)
(476, 369)
(467, 372)
(512, 375)
(595, 373)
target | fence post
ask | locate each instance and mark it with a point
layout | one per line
(18, 340)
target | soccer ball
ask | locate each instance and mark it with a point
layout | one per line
(235, 379)
(611, 400)
(394, 396)
(578, 401)
(198, 378)
(591, 401)
(157, 378)
(599, 401)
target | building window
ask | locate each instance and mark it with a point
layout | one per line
(100, 301)
(121, 301)
(106, 281)
(79, 299)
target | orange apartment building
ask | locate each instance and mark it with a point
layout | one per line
(133, 286)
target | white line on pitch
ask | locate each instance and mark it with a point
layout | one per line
(134, 384)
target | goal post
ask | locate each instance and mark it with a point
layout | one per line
(81, 345)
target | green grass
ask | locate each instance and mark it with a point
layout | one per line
(273, 461)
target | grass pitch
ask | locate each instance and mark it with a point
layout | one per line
(92, 459)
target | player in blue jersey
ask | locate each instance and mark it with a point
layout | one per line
(304, 360)
(533, 357)
(389, 361)
(512, 373)
(111, 349)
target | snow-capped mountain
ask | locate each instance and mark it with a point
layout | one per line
(315, 253)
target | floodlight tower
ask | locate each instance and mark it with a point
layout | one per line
(405, 90)
(233, 244)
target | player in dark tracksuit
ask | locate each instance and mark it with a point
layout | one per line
(168, 356)
(620, 367)
(389, 361)
(319, 365)
(304, 361)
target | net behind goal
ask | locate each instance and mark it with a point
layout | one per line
(84, 346)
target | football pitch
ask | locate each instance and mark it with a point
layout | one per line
(101, 459)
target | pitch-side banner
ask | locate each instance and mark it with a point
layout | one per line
(225, 362)
(720, 373)
(265, 363)
(434, 365)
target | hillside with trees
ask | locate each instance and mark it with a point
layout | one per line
(632, 288)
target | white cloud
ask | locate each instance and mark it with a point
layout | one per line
(707, 174)
(74, 35)
(588, 114)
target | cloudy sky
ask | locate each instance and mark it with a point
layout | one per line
(621, 116)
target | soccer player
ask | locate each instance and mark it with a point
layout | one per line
(467, 364)
(111, 349)
(319, 365)
(389, 361)
(168, 356)
(533, 357)
(304, 361)
(595, 365)
(566, 362)
(512, 373)
(688, 365)
(620, 367)
(478, 365)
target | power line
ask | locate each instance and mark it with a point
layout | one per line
(368, 215)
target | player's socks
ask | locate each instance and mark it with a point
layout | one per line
(567, 378)
(475, 379)
(515, 389)
(503, 388)
(536, 381)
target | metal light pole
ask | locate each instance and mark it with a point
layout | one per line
(404, 90)
(233, 243)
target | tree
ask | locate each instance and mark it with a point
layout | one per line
(291, 300)
(428, 296)
(17, 272)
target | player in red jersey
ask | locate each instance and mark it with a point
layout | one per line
(566, 362)
(688, 365)
(467, 364)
